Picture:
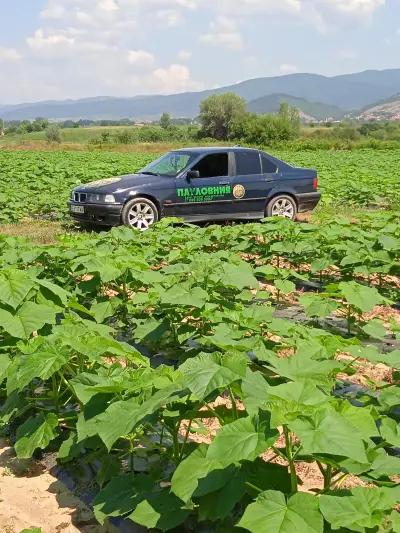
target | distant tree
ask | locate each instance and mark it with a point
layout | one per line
(53, 134)
(220, 114)
(290, 114)
(39, 124)
(165, 121)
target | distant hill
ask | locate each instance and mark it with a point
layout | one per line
(309, 110)
(388, 109)
(348, 92)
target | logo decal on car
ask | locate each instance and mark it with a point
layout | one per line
(239, 191)
(204, 194)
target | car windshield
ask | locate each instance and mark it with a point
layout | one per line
(170, 164)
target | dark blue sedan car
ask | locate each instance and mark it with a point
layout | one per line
(199, 184)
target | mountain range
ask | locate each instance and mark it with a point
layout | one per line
(315, 95)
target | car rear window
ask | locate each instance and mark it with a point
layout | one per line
(247, 163)
(268, 167)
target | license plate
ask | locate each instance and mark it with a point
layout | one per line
(77, 209)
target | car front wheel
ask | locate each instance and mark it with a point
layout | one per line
(139, 213)
(282, 206)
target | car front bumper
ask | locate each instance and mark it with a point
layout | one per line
(308, 201)
(97, 214)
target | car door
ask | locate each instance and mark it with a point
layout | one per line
(210, 194)
(255, 176)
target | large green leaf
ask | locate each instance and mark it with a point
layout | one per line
(162, 511)
(102, 310)
(121, 496)
(289, 400)
(316, 305)
(219, 504)
(390, 431)
(301, 367)
(360, 296)
(242, 440)
(36, 432)
(120, 418)
(285, 286)
(273, 514)
(255, 391)
(191, 476)
(326, 431)
(385, 465)
(41, 364)
(188, 297)
(56, 290)
(14, 286)
(364, 508)
(206, 373)
(238, 276)
(5, 362)
(29, 317)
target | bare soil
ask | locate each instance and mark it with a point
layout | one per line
(31, 497)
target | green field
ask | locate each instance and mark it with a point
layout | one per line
(220, 378)
(213, 310)
(68, 135)
(38, 184)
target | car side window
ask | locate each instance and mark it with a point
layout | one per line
(213, 166)
(248, 163)
(268, 167)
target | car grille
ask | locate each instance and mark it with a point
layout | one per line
(80, 197)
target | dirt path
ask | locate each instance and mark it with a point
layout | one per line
(31, 497)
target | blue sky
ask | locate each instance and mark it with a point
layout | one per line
(56, 49)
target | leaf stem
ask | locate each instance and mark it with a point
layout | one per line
(289, 455)
(185, 440)
(234, 407)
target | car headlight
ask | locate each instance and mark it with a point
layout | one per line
(101, 198)
(95, 197)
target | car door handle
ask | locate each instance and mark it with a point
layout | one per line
(224, 182)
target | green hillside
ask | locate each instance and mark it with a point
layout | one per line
(316, 110)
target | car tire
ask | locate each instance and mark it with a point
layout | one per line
(282, 206)
(140, 213)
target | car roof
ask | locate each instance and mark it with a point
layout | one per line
(215, 149)
(219, 149)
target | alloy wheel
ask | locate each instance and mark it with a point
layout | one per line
(283, 208)
(141, 216)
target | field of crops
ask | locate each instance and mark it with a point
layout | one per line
(38, 184)
(203, 374)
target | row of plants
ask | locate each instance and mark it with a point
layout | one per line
(121, 350)
(38, 184)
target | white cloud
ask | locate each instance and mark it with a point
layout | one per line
(174, 79)
(184, 55)
(223, 32)
(54, 10)
(91, 47)
(9, 55)
(286, 68)
(108, 5)
(141, 58)
(359, 7)
(41, 40)
(169, 17)
(322, 14)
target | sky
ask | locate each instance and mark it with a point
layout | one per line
(59, 49)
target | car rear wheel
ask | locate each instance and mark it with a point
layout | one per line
(139, 213)
(282, 206)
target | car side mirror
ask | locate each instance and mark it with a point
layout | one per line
(192, 174)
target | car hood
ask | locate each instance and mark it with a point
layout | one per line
(122, 183)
